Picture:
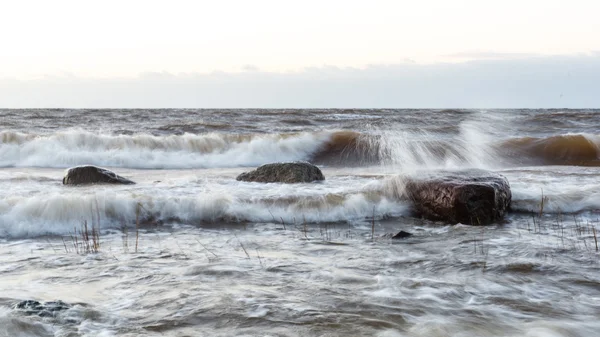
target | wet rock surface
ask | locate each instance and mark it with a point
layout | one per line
(401, 235)
(46, 309)
(93, 175)
(472, 197)
(296, 172)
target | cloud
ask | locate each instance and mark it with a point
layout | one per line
(250, 67)
(527, 82)
(489, 55)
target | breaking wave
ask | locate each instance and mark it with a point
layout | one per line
(60, 213)
(408, 150)
(75, 147)
(567, 149)
(357, 200)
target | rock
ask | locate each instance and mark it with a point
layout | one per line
(402, 235)
(472, 197)
(46, 309)
(296, 172)
(92, 175)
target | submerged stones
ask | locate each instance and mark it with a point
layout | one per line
(401, 235)
(472, 197)
(93, 175)
(295, 172)
(46, 309)
(397, 236)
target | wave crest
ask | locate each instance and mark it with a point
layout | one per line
(69, 148)
(567, 149)
(404, 150)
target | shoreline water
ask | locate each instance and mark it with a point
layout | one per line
(225, 258)
(261, 278)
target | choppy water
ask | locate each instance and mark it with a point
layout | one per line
(218, 257)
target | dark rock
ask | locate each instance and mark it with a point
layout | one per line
(92, 175)
(402, 235)
(297, 172)
(472, 197)
(46, 309)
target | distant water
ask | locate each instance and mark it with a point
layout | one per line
(218, 257)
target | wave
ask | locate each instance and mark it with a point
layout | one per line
(471, 147)
(567, 149)
(61, 213)
(353, 200)
(211, 150)
(559, 203)
(76, 147)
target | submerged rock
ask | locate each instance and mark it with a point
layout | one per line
(46, 309)
(92, 175)
(296, 172)
(397, 236)
(472, 197)
(402, 235)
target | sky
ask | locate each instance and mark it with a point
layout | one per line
(300, 54)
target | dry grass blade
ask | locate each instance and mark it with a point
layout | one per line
(304, 227)
(51, 245)
(137, 226)
(542, 204)
(259, 258)
(96, 228)
(86, 241)
(241, 245)
(595, 238)
(65, 244)
(373, 225)
(125, 238)
(215, 255)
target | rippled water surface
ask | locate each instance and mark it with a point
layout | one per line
(212, 256)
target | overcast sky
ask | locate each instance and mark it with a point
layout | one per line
(428, 53)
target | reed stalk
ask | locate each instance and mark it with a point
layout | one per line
(65, 244)
(542, 204)
(373, 225)
(86, 241)
(137, 226)
(125, 237)
(259, 258)
(595, 238)
(241, 245)
(304, 227)
(203, 246)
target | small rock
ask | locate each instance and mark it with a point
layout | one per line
(402, 235)
(296, 172)
(46, 309)
(92, 175)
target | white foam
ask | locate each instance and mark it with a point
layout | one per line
(564, 189)
(62, 209)
(11, 326)
(78, 147)
(409, 150)
(398, 145)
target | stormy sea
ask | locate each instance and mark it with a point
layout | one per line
(190, 251)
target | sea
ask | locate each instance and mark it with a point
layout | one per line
(190, 251)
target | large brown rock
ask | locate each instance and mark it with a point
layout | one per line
(471, 197)
(296, 172)
(92, 175)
